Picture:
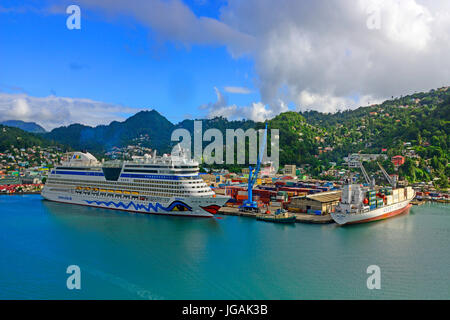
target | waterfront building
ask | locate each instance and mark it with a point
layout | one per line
(398, 160)
(290, 170)
(10, 179)
(320, 203)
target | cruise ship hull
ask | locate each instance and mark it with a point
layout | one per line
(174, 206)
(373, 215)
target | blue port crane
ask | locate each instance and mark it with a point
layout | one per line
(249, 204)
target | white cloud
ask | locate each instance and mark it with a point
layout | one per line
(315, 53)
(256, 111)
(173, 20)
(321, 52)
(51, 111)
(238, 90)
(329, 103)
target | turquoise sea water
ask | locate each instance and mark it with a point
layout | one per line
(134, 256)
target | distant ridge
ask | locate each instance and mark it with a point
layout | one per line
(309, 137)
(148, 128)
(12, 137)
(25, 126)
(416, 125)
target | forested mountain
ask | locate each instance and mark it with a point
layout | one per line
(152, 127)
(26, 126)
(11, 136)
(417, 125)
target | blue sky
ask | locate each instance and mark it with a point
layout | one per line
(118, 62)
(202, 58)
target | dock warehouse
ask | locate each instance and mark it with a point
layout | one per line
(324, 202)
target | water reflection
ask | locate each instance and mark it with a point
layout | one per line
(143, 256)
(136, 228)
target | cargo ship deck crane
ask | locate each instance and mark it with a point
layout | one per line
(390, 180)
(366, 176)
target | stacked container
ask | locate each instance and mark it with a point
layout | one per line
(380, 202)
(409, 192)
(395, 195)
(401, 194)
(371, 196)
(388, 191)
(389, 199)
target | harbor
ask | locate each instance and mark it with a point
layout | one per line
(228, 258)
(285, 199)
(225, 155)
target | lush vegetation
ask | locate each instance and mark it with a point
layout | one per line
(148, 128)
(416, 126)
(10, 136)
(26, 126)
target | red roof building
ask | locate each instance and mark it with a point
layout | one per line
(398, 160)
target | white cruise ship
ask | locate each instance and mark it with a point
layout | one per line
(161, 185)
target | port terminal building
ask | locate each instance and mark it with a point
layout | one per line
(319, 204)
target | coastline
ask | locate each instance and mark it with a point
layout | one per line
(19, 193)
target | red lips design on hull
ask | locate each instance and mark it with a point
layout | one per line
(213, 209)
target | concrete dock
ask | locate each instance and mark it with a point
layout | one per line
(232, 211)
(309, 218)
(300, 217)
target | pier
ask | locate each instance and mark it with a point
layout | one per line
(300, 217)
(416, 202)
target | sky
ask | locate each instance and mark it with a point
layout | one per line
(247, 59)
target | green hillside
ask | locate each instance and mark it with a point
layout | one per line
(416, 125)
(11, 136)
(149, 125)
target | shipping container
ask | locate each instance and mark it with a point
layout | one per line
(389, 199)
(275, 204)
(409, 192)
